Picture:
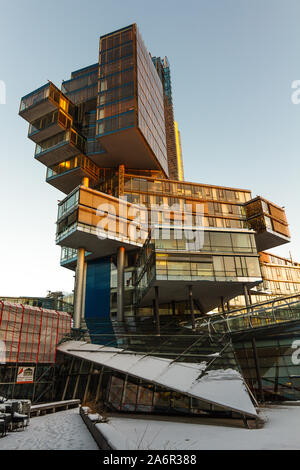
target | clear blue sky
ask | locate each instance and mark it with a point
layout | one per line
(232, 64)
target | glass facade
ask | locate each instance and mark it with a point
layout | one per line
(279, 373)
(150, 103)
(116, 98)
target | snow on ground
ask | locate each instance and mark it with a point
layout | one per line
(64, 430)
(281, 431)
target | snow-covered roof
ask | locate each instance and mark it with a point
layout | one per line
(225, 387)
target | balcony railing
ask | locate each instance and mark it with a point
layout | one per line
(49, 125)
(44, 100)
(35, 97)
(55, 149)
(266, 314)
(81, 161)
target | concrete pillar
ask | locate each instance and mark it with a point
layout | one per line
(192, 307)
(120, 283)
(223, 305)
(83, 291)
(249, 296)
(156, 309)
(78, 287)
(85, 181)
(246, 296)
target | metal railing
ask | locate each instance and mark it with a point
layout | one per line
(279, 310)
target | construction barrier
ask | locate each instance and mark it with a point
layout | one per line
(31, 334)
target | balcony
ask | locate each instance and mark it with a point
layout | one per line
(56, 149)
(43, 101)
(48, 126)
(68, 257)
(67, 175)
(211, 274)
(269, 222)
(97, 222)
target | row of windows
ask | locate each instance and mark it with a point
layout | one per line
(116, 53)
(117, 66)
(84, 94)
(221, 266)
(116, 80)
(149, 119)
(116, 39)
(205, 221)
(288, 274)
(94, 147)
(80, 82)
(116, 123)
(67, 254)
(161, 154)
(191, 267)
(116, 108)
(210, 241)
(281, 262)
(132, 183)
(116, 94)
(175, 204)
(144, 56)
(282, 287)
(69, 203)
(149, 97)
(56, 117)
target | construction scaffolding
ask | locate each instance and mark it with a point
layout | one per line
(30, 334)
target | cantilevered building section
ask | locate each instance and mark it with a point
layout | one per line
(130, 108)
(110, 144)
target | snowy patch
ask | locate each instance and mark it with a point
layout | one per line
(281, 432)
(64, 430)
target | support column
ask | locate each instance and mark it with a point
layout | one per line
(85, 181)
(77, 379)
(156, 309)
(249, 296)
(223, 305)
(83, 292)
(246, 296)
(258, 376)
(192, 307)
(120, 283)
(78, 287)
(99, 386)
(173, 308)
(88, 383)
(67, 380)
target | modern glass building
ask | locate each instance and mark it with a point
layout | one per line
(154, 255)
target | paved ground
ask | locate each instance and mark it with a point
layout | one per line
(64, 430)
